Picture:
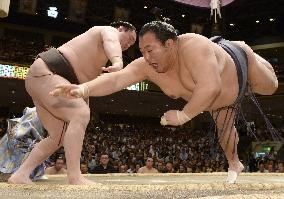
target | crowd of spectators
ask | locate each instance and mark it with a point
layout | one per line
(15, 50)
(267, 163)
(129, 145)
(111, 147)
(263, 135)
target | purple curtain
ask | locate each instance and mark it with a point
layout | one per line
(203, 3)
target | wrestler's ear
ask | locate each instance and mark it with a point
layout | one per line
(120, 28)
(169, 43)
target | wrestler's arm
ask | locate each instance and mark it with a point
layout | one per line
(105, 84)
(140, 170)
(112, 46)
(109, 83)
(203, 66)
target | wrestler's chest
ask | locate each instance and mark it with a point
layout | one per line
(175, 85)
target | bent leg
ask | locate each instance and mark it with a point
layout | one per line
(261, 74)
(76, 112)
(42, 150)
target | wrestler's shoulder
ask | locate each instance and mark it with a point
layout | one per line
(192, 38)
(193, 42)
(99, 29)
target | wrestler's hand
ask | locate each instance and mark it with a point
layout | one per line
(174, 118)
(70, 91)
(115, 67)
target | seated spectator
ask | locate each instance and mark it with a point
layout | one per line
(122, 168)
(149, 167)
(261, 168)
(137, 167)
(131, 169)
(84, 168)
(161, 167)
(104, 166)
(169, 168)
(189, 169)
(182, 169)
(58, 168)
(280, 168)
(270, 168)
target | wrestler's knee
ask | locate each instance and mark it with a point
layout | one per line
(53, 142)
(274, 87)
(268, 87)
(81, 116)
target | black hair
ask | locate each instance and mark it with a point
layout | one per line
(125, 24)
(162, 30)
(60, 158)
(104, 153)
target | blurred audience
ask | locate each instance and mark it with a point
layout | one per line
(17, 50)
(84, 168)
(110, 147)
(148, 168)
(58, 168)
(104, 166)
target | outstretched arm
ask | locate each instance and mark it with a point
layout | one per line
(105, 84)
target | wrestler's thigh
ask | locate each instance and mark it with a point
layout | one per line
(59, 107)
(261, 76)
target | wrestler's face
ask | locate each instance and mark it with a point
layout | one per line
(149, 162)
(59, 164)
(126, 38)
(155, 52)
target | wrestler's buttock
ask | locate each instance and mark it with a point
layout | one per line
(249, 53)
(39, 68)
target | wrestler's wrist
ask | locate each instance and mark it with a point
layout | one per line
(116, 60)
(118, 65)
(182, 117)
(163, 121)
(84, 90)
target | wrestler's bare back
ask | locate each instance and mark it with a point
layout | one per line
(179, 83)
(86, 53)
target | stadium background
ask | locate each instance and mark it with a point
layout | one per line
(32, 25)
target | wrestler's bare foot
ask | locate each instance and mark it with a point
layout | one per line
(19, 179)
(235, 168)
(82, 181)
